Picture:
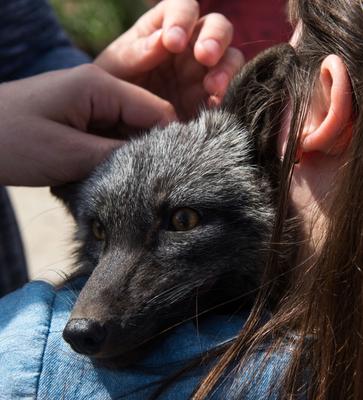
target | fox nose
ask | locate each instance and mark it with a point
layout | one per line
(85, 336)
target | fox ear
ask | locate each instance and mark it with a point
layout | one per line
(258, 95)
(69, 195)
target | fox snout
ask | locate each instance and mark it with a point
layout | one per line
(111, 341)
(86, 336)
(119, 315)
(104, 341)
(112, 317)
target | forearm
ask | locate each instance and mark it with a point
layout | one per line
(45, 121)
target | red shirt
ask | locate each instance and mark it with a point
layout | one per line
(258, 24)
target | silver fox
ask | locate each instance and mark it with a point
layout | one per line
(180, 213)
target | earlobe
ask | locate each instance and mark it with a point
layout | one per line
(328, 127)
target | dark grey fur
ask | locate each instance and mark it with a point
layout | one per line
(146, 276)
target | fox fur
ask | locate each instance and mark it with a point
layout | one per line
(145, 276)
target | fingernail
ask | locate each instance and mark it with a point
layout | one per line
(163, 123)
(153, 39)
(167, 119)
(214, 101)
(211, 46)
(177, 35)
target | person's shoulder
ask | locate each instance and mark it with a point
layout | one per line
(24, 324)
(37, 363)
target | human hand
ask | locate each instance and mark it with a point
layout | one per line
(45, 120)
(177, 55)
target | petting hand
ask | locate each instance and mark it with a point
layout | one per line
(45, 120)
(177, 55)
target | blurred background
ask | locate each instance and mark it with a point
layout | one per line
(93, 24)
(46, 228)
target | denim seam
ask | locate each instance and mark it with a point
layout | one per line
(45, 346)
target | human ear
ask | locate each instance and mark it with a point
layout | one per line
(328, 126)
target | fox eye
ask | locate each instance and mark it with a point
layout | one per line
(98, 230)
(184, 219)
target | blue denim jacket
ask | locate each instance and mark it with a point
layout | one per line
(36, 363)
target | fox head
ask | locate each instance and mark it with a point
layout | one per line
(178, 221)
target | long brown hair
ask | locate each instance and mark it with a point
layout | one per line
(321, 310)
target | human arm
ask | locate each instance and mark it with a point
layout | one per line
(35, 139)
(45, 121)
(181, 71)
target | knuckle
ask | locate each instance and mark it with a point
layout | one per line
(188, 8)
(88, 79)
(168, 109)
(191, 9)
(88, 71)
(229, 27)
(195, 6)
(222, 23)
(218, 17)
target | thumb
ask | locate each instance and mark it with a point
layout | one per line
(114, 101)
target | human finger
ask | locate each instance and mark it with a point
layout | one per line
(164, 29)
(219, 77)
(87, 95)
(194, 97)
(180, 18)
(126, 59)
(188, 70)
(216, 33)
(44, 152)
(130, 103)
(45, 139)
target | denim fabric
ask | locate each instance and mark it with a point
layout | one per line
(35, 362)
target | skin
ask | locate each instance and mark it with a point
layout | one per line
(44, 139)
(323, 147)
(46, 120)
(174, 53)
